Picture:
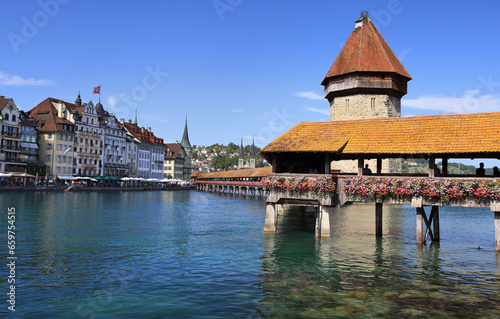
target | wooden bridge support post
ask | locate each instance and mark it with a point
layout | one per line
(420, 225)
(434, 219)
(378, 219)
(323, 222)
(271, 219)
(497, 231)
(495, 207)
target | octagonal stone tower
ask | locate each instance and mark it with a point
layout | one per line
(366, 81)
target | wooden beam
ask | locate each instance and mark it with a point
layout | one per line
(497, 231)
(378, 219)
(420, 225)
(432, 164)
(361, 162)
(435, 221)
(445, 167)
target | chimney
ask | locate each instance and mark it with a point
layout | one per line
(130, 121)
(149, 128)
(122, 121)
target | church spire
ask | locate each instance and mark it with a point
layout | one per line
(185, 137)
(241, 159)
(135, 121)
(78, 100)
(252, 153)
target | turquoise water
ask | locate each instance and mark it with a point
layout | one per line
(188, 254)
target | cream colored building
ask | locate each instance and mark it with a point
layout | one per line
(56, 138)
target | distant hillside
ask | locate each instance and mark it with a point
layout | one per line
(419, 166)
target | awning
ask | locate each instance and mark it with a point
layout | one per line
(25, 145)
(66, 177)
(33, 145)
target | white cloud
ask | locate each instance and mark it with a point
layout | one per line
(317, 110)
(16, 80)
(309, 95)
(237, 110)
(469, 102)
(153, 118)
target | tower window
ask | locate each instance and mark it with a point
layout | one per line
(347, 105)
(373, 103)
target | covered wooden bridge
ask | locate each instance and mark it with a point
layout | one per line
(236, 182)
(315, 147)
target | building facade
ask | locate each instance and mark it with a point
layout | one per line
(10, 157)
(56, 137)
(175, 159)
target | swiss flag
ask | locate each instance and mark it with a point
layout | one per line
(97, 90)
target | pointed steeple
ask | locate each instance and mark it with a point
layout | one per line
(78, 100)
(135, 121)
(185, 138)
(242, 150)
(252, 154)
(241, 158)
(366, 51)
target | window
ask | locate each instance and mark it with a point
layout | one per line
(92, 121)
(13, 118)
(6, 116)
(59, 169)
(373, 103)
(49, 136)
(59, 137)
(49, 146)
(347, 105)
(70, 138)
(64, 159)
(59, 147)
(59, 158)
(47, 158)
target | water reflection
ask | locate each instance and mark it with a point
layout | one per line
(356, 274)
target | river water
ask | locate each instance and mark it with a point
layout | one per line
(187, 254)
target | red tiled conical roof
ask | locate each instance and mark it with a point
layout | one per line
(366, 51)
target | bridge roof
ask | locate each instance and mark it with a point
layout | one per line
(459, 134)
(241, 173)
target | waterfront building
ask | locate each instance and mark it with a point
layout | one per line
(88, 146)
(189, 151)
(132, 150)
(175, 159)
(115, 148)
(366, 81)
(151, 151)
(28, 143)
(56, 137)
(10, 160)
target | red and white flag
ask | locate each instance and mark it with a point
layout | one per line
(97, 90)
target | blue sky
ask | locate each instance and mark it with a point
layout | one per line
(239, 67)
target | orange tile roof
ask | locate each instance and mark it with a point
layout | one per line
(45, 114)
(241, 173)
(433, 134)
(366, 51)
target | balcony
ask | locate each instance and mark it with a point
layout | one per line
(11, 134)
(11, 148)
